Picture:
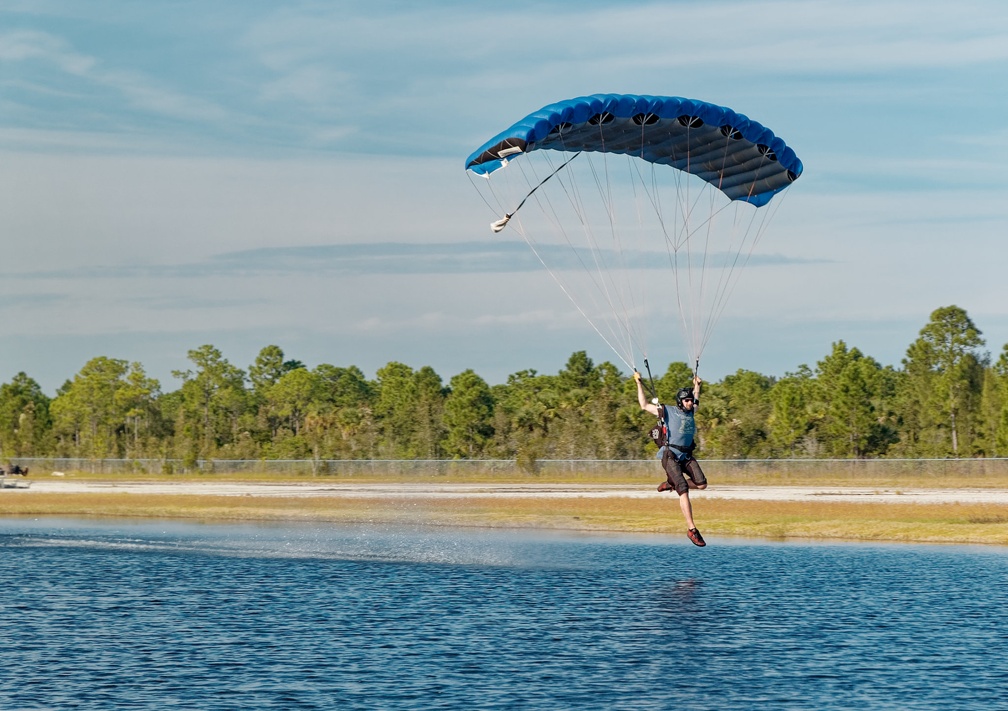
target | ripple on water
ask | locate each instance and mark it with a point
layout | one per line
(164, 615)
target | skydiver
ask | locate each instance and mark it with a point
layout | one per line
(675, 435)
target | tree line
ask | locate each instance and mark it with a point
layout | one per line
(949, 399)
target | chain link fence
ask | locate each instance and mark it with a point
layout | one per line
(735, 469)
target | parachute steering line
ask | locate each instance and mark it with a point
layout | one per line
(654, 392)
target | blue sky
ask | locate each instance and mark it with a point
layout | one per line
(243, 173)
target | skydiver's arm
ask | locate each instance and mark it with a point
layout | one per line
(696, 389)
(642, 398)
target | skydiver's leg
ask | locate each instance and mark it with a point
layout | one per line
(687, 509)
(673, 474)
(697, 480)
(677, 480)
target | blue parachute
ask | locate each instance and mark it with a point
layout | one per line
(735, 154)
(638, 205)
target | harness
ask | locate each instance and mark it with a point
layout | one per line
(685, 453)
(659, 433)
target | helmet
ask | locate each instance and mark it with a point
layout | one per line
(682, 395)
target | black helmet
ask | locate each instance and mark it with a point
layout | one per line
(682, 395)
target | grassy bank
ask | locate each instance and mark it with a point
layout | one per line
(911, 474)
(862, 521)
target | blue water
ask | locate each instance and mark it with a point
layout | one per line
(160, 615)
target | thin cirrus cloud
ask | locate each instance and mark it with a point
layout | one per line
(445, 258)
(390, 258)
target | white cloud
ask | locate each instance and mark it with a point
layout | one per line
(28, 45)
(139, 138)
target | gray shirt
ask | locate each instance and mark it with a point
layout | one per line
(681, 425)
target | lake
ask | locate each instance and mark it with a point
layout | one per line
(103, 614)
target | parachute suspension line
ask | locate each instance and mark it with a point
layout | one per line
(596, 276)
(653, 194)
(727, 278)
(694, 314)
(613, 296)
(731, 278)
(713, 212)
(702, 318)
(701, 340)
(636, 317)
(578, 207)
(722, 288)
(701, 261)
(730, 270)
(573, 199)
(626, 294)
(766, 214)
(724, 276)
(696, 258)
(494, 209)
(500, 224)
(650, 189)
(675, 239)
(549, 211)
(633, 277)
(563, 287)
(601, 285)
(691, 296)
(544, 201)
(551, 215)
(609, 296)
(605, 193)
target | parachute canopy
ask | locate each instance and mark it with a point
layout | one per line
(638, 207)
(738, 156)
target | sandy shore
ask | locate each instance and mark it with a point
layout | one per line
(429, 490)
(978, 514)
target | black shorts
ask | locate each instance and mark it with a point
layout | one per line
(677, 472)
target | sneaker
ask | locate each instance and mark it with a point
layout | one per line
(694, 535)
(664, 486)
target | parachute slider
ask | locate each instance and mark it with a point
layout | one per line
(500, 224)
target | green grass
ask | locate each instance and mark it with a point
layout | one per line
(875, 474)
